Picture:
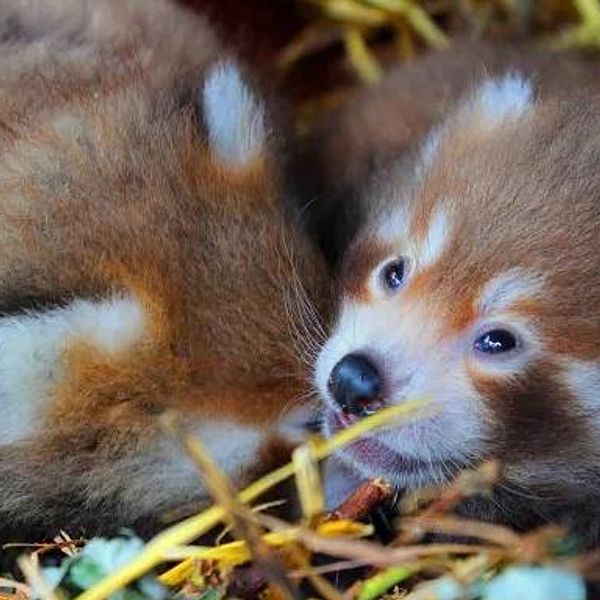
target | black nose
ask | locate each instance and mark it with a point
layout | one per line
(355, 384)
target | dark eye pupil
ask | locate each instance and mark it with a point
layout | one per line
(496, 341)
(393, 274)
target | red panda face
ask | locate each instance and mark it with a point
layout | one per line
(477, 286)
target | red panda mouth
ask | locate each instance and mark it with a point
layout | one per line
(373, 454)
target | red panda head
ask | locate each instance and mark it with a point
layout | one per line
(476, 283)
(144, 203)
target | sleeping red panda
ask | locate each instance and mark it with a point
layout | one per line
(145, 265)
(474, 280)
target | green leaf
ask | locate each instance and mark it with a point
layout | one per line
(85, 572)
(376, 586)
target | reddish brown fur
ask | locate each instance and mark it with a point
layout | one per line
(107, 185)
(379, 127)
(524, 194)
(366, 253)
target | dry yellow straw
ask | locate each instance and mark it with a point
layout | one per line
(308, 481)
(238, 552)
(156, 551)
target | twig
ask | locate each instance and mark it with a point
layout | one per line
(193, 527)
(363, 500)
(243, 524)
(35, 579)
(372, 553)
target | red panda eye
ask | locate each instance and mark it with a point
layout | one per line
(496, 341)
(393, 274)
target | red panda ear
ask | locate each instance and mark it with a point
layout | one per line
(492, 104)
(233, 115)
(497, 100)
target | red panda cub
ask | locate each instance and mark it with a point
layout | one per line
(145, 265)
(475, 281)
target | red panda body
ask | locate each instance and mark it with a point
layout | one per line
(474, 280)
(145, 265)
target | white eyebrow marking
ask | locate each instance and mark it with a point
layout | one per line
(392, 226)
(432, 246)
(507, 288)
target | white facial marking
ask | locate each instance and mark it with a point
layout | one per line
(343, 341)
(496, 100)
(393, 226)
(234, 117)
(431, 248)
(32, 346)
(583, 380)
(509, 287)
(403, 342)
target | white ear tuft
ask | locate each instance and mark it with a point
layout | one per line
(234, 117)
(499, 99)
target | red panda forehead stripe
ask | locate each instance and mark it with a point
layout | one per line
(515, 286)
(431, 235)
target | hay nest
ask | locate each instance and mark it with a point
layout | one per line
(269, 558)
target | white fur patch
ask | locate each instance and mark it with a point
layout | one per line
(583, 380)
(393, 226)
(403, 342)
(509, 287)
(32, 346)
(234, 447)
(431, 146)
(169, 473)
(436, 239)
(234, 117)
(508, 97)
(394, 229)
